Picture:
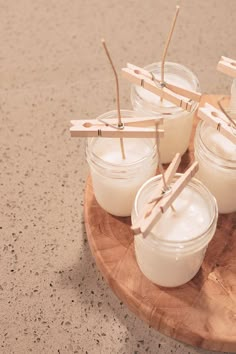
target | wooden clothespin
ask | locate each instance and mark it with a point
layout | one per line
(130, 128)
(218, 120)
(149, 219)
(179, 96)
(227, 66)
(158, 194)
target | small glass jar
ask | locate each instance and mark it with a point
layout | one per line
(173, 252)
(217, 165)
(177, 122)
(116, 181)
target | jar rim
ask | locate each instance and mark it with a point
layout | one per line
(130, 164)
(194, 183)
(115, 166)
(219, 160)
(172, 110)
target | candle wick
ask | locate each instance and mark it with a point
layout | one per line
(167, 46)
(225, 112)
(160, 166)
(117, 96)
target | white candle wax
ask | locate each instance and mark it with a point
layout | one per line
(217, 166)
(116, 180)
(177, 122)
(173, 252)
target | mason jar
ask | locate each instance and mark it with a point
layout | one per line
(173, 252)
(177, 122)
(217, 165)
(116, 180)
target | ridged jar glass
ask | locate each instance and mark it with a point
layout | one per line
(116, 181)
(217, 165)
(177, 122)
(173, 252)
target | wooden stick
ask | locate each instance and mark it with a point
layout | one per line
(117, 96)
(164, 92)
(217, 120)
(140, 127)
(147, 223)
(158, 194)
(89, 130)
(127, 122)
(167, 44)
(193, 95)
(227, 66)
(178, 187)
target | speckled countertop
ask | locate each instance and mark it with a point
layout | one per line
(53, 299)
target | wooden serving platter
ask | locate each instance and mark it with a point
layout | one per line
(203, 311)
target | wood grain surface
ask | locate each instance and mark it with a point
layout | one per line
(203, 311)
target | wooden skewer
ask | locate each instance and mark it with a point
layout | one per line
(164, 92)
(167, 44)
(158, 194)
(117, 96)
(218, 120)
(227, 66)
(193, 95)
(147, 223)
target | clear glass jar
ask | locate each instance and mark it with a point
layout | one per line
(172, 253)
(217, 165)
(116, 181)
(177, 122)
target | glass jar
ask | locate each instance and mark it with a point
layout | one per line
(116, 181)
(172, 253)
(177, 122)
(217, 165)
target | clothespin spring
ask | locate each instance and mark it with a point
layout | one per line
(120, 126)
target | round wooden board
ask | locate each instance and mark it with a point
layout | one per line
(203, 311)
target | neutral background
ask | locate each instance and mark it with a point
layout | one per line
(53, 69)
